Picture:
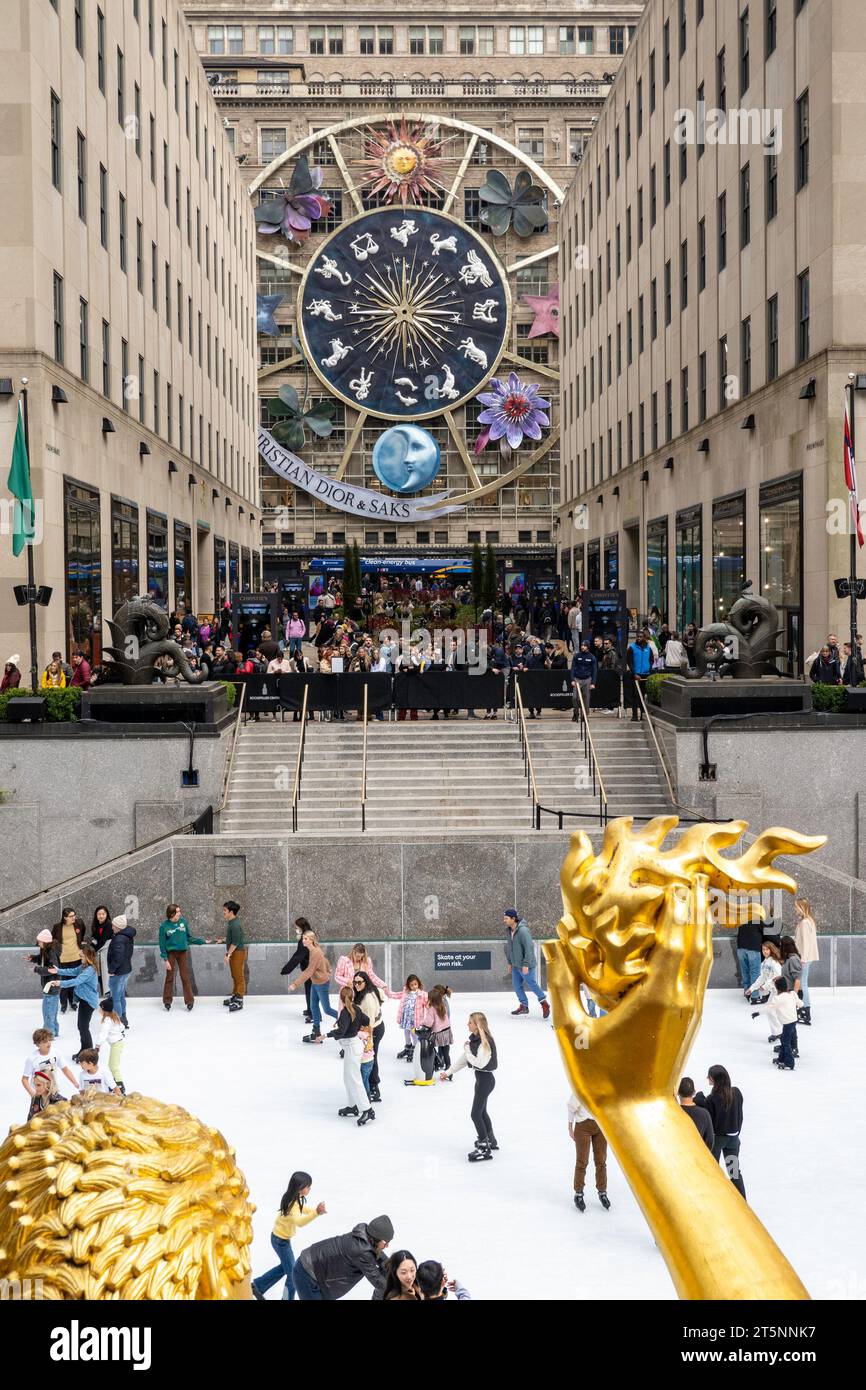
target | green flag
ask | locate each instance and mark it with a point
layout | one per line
(19, 486)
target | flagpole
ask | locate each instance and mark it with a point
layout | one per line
(31, 579)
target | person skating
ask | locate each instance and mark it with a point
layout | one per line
(806, 938)
(586, 1133)
(782, 1008)
(350, 1021)
(359, 959)
(45, 964)
(442, 1034)
(94, 1075)
(68, 934)
(725, 1106)
(330, 1269)
(400, 1280)
(411, 1002)
(236, 955)
(696, 1113)
(175, 940)
(118, 962)
(292, 1215)
(318, 972)
(368, 998)
(299, 960)
(520, 954)
(110, 1039)
(85, 987)
(422, 1033)
(435, 1285)
(479, 1054)
(46, 1057)
(750, 939)
(100, 937)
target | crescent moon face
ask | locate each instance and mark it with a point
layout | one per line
(406, 459)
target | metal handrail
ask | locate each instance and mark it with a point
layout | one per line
(230, 760)
(661, 758)
(364, 766)
(594, 765)
(531, 785)
(296, 794)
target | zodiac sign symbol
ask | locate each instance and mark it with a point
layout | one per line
(363, 246)
(321, 308)
(338, 352)
(446, 243)
(475, 354)
(329, 270)
(474, 272)
(360, 387)
(402, 233)
(446, 392)
(405, 381)
(484, 310)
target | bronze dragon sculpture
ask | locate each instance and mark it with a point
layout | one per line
(139, 637)
(745, 645)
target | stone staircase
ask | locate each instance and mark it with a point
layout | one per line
(424, 777)
(632, 781)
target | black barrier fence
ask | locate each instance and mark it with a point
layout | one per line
(420, 690)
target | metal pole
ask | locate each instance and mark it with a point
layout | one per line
(31, 580)
(855, 651)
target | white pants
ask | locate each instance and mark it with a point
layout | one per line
(102, 966)
(353, 1050)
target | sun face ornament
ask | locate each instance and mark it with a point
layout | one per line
(403, 163)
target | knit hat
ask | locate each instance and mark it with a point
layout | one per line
(120, 921)
(512, 912)
(44, 936)
(380, 1228)
(13, 660)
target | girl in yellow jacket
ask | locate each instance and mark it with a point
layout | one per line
(53, 677)
(292, 1215)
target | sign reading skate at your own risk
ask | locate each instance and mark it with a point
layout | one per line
(462, 960)
(347, 497)
(404, 312)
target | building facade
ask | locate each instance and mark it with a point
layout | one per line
(714, 304)
(520, 89)
(127, 249)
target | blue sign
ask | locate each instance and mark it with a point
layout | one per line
(406, 458)
(461, 960)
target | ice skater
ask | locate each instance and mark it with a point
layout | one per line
(586, 1133)
(292, 1215)
(300, 960)
(520, 954)
(111, 1037)
(175, 940)
(46, 1057)
(46, 964)
(94, 1075)
(350, 1021)
(318, 972)
(100, 936)
(725, 1104)
(806, 937)
(699, 1117)
(330, 1269)
(368, 998)
(118, 963)
(411, 1002)
(236, 956)
(85, 991)
(359, 959)
(479, 1053)
(442, 1034)
(770, 968)
(782, 1009)
(425, 1060)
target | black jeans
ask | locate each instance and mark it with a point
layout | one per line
(83, 1016)
(484, 1083)
(307, 995)
(729, 1145)
(378, 1035)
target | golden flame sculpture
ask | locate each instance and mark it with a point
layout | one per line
(123, 1197)
(636, 931)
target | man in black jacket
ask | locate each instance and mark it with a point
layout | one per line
(331, 1268)
(584, 671)
(119, 963)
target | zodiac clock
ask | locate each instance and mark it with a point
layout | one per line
(404, 311)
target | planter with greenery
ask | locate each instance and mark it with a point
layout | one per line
(654, 688)
(61, 706)
(830, 699)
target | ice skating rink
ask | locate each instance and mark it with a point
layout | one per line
(507, 1229)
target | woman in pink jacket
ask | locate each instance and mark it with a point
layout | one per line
(296, 631)
(358, 959)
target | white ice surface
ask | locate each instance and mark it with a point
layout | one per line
(507, 1229)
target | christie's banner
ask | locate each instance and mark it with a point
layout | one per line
(346, 497)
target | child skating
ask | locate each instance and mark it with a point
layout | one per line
(46, 1057)
(411, 1001)
(111, 1037)
(95, 1076)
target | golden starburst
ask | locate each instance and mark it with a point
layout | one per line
(402, 162)
(406, 309)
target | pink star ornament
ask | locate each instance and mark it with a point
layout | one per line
(546, 307)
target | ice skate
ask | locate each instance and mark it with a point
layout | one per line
(481, 1153)
(579, 1201)
(605, 1200)
(367, 1115)
(520, 1010)
(349, 1110)
(235, 1006)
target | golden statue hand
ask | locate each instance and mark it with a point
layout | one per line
(637, 1050)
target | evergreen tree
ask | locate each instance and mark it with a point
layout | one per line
(350, 588)
(489, 586)
(477, 577)
(356, 567)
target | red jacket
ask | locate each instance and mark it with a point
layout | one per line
(81, 675)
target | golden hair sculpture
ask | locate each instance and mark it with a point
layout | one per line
(123, 1197)
(636, 932)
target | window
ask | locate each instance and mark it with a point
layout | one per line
(652, 81)
(273, 143)
(688, 568)
(124, 551)
(654, 309)
(684, 399)
(121, 221)
(103, 206)
(106, 359)
(702, 254)
(802, 141)
(639, 106)
(640, 217)
(139, 256)
(566, 40)
(216, 39)
(683, 27)
(100, 50)
(535, 39)
(701, 109)
(367, 39)
(285, 39)
(657, 563)
(516, 40)
(466, 39)
(744, 51)
(722, 217)
(746, 357)
(653, 197)
(152, 149)
(435, 39)
(335, 38)
(156, 420)
(724, 386)
(702, 386)
(628, 130)
(78, 13)
(803, 316)
(773, 338)
(164, 54)
(721, 82)
(58, 318)
(585, 39)
(669, 411)
(772, 168)
(729, 554)
(684, 162)
(668, 294)
(684, 275)
(385, 36)
(617, 38)
(666, 53)
(666, 176)
(55, 141)
(137, 114)
(530, 141)
(84, 340)
(83, 588)
(121, 88)
(154, 275)
(771, 21)
(417, 39)
(81, 165)
(316, 36)
(124, 375)
(745, 206)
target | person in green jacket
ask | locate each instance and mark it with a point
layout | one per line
(236, 955)
(520, 954)
(174, 943)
